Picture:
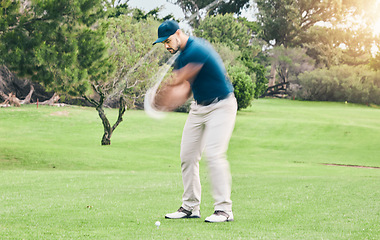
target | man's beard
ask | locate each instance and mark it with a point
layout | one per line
(173, 51)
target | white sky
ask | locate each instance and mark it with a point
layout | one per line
(167, 8)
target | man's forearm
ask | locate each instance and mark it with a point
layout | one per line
(187, 73)
(169, 98)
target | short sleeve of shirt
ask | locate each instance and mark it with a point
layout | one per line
(195, 52)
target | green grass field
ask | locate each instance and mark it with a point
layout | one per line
(58, 182)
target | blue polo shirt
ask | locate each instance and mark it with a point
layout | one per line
(211, 81)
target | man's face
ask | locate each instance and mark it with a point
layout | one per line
(172, 44)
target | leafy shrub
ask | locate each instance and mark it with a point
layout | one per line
(229, 55)
(340, 83)
(128, 40)
(224, 29)
(261, 82)
(185, 108)
(243, 85)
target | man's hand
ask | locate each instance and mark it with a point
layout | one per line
(176, 89)
(169, 97)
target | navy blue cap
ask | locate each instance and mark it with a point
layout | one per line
(166, 29)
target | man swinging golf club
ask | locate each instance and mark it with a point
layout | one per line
(199, 70)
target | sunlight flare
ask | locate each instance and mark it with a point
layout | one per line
(376, 27)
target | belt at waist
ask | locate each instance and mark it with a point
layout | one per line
(212, 100)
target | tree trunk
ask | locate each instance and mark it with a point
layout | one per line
(11, 100)
(3, 95)
(106, 140)
(29, 96)
(272, 77)
(51, 101)
(108, 130)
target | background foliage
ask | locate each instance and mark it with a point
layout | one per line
(75, 46)
(48, 42)
(130, 42)
(243, 86)
(340, 83)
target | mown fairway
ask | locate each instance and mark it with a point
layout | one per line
(57, 182)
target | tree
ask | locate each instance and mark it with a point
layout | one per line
(374, 63)
(358, 46)
(333, 46)
(221, 7)
(224, 29)
(43, 40)
(213, 7)
(93, 57)
(291, 62)
(136, 60)
(40, 40)
(322, 44)
(286, 22)
(59, 44)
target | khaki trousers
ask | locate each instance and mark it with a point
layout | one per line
(208, 129)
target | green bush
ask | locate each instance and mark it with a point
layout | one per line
(229, 55)
(224, 29)
(185, 108)
(261, 82)
(340, 83)
(243, 85)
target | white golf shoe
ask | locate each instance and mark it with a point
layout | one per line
(183, 213)
(220, 216)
